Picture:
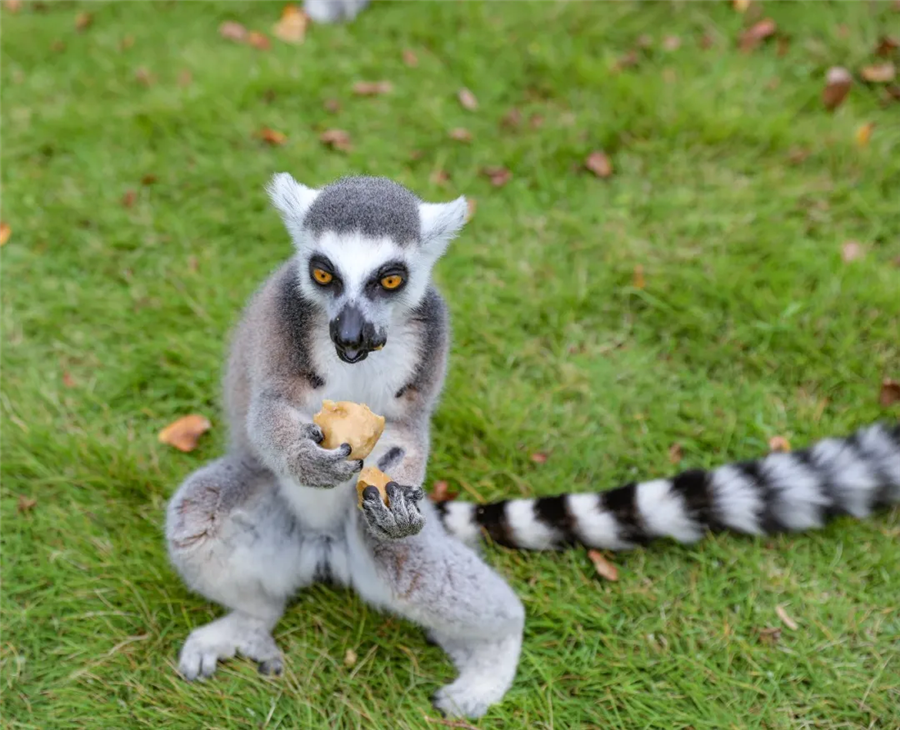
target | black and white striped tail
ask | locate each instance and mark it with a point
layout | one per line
(782, 492)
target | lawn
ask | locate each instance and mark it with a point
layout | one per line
(133, 177)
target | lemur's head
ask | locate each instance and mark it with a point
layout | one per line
(366, 247)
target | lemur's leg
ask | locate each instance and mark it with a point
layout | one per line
(233, 541)
(403, 560)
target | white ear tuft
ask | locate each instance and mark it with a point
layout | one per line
(441, 222)
(291, 199)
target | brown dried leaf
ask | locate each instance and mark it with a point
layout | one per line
(184, 433)
(637, 279)
(83, 21)
(886, 46)
(756, 34)
(271, 137)
(372, 88)
(410, 58)
(26, 504)
(232, 31)
(604, 568)
(5, 233)
(598, 163)
(337, 139)
(851, 251)
(461, 134)
(675, 453)
(350, 658)
(292, 26)
(889, 393)
(779, 443)
(769, 636)
(671, 43)
(539, 457)
(472, 206)
(441, 492)
(332, 105)
(149, 179)
(259, 40)
(129, 198)
(838, 81)
(467, 99)
(864, 134)
(499, 176)
(512, 119)
(67, 379)
(786, 620)
(879, 73)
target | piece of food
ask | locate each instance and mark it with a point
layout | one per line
(372, 476)
(345, 422)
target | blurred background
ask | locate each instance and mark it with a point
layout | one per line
(684, 243)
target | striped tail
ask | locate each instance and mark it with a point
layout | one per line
(782, 492)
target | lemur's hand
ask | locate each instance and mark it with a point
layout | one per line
(401, 519)
(313, 466)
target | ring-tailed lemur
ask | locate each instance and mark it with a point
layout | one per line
(279, 512)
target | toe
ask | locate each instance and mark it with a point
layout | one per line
(271, 667)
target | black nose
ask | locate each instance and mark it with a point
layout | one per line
(354, 336)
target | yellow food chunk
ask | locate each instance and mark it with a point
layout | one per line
(345, 422)
(372, 476)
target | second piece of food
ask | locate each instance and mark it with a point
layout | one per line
(372, 476)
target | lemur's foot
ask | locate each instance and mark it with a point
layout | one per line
(221, 639)
(401, 519)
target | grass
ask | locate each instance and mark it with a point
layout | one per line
(750, 325)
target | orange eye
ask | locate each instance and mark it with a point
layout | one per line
(392, 282)
(321, 276)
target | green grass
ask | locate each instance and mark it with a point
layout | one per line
(750, 325)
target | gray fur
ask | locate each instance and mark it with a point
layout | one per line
(279, 512)
(373, 206)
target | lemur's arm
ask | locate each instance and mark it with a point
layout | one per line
(287, 441)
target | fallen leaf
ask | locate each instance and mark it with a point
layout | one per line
(332, 105)
(880, 73)
(372, 88)
(144, 77)
(350, 658)
(787, 620)
(637, 278)
(336, 139)
(675, 453)
(467, 99)
(26, 504)
(864, 134)
(5, 233)
(472, 206)
(13, 6)
(838, 81)
(756, 34)
(604, 568)
(129, 198)
(439, 177)
(83, 21)
(410, 58)
(499, 176)
(259, 40)
(851, 251)
(886, 46)
(232, 31)
(461, 134)
(271, 137)
(779, 443)
(598, 163)
(889, 393)
(539, 457)
(741, 5)
(671, 43)
(67, 379)
(441, 492)
(185, 77)
(512, 118)
(292, 26)
(149, 179)
(184, 433)
(769, 636)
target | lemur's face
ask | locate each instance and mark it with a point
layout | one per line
(365, 247)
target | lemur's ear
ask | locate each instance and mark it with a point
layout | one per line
(440, 223)
(291, 199)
